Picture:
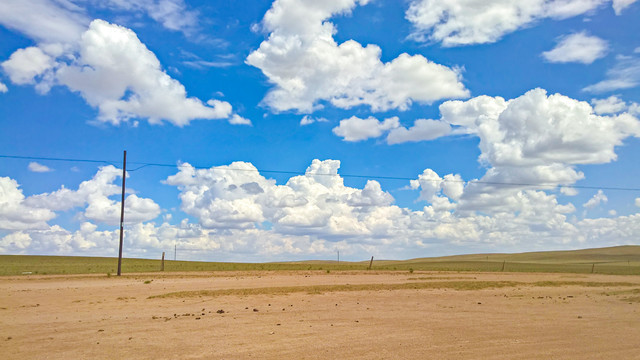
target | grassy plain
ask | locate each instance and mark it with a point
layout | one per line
(619, 260)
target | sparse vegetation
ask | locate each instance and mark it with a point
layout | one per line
(319, 289)
(621, 260)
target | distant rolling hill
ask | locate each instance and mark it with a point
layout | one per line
(597, 255)
(623, 260)
(609, 260)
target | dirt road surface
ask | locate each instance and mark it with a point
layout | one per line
(534, 316)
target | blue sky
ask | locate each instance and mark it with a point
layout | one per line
(293, 129)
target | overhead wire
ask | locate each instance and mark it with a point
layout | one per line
(358, 176)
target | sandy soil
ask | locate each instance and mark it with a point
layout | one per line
(95, 317)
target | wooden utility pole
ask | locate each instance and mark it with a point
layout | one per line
(370, 263)
(124, 176)
(162, 263)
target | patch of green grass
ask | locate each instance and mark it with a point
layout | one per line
(620, 260)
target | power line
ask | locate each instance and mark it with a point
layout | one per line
(59, 159)
(357, 176)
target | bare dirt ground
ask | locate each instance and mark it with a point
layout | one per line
(95, 317)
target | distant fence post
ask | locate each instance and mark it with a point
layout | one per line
(593, 267)
(503, 262)
(370, 263)
(162, 263)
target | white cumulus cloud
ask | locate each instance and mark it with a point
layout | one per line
(95, 196)
(357, 129)
(114, 72)
(239, 197)
(466, 22)
(533, 141)
(610, 105)
(308, 120)
(15, 214)
(308, 67)
(24, 65)
(37, 167)
(241, 215)
(118, 74)
(236, 119)
(422, 129)
(579, 47)
(596, 200)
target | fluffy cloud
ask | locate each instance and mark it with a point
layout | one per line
(37, 167)
(239, 120)
(15, 213)
(116, 73)
(466, 22)
(539, 139)
(308, 67)
(16, 242)
(3, 88)
(622, 230)
(356, 129)
(532, 130)
(422, 129)
(54, 240)
(610, 105)
(596, 200)
(578, 47)
(431, 184)
(308, 120)
(318, 206)
(243, 216)
(24, 65)
(638, 202)
(625, 74)
(238, 197)
(540, 129)
(95, 195)
(529, 143)
(619, 5)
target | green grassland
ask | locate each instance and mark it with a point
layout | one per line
(620, 260)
